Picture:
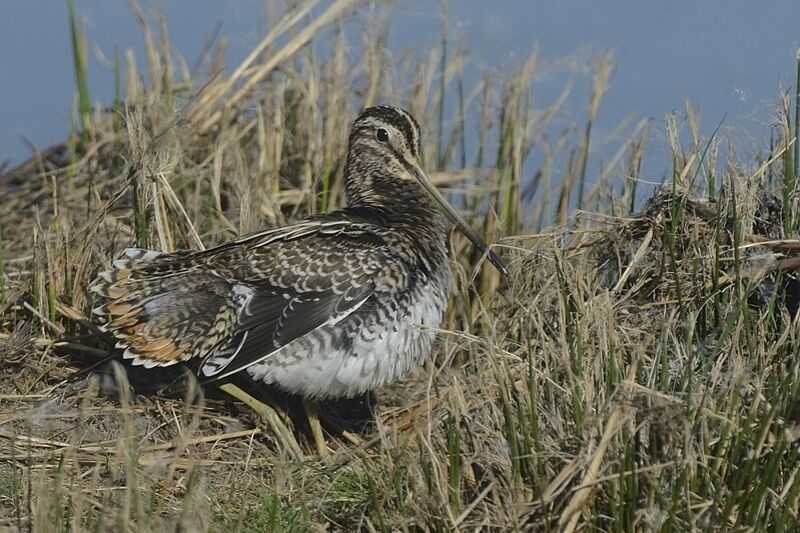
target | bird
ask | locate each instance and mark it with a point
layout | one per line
(332, 306)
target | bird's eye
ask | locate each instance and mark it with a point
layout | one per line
(382, 135)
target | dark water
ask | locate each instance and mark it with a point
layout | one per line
(729, 57)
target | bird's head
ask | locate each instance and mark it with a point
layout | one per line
(384, 142)
(385, 156)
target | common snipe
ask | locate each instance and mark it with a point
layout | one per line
(332, 306)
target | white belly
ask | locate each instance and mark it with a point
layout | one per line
(381, 353)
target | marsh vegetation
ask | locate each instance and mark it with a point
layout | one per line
(637, 371)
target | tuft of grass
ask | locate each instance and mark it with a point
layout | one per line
(2, 270)
(792, 159)
(78, 41)
(268, 512)
(602, 75)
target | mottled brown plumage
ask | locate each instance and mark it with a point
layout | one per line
(332, 306)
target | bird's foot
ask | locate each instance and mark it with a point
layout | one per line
(269, 416)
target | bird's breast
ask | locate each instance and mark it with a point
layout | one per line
(393, 332)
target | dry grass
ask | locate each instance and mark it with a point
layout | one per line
(638, 371)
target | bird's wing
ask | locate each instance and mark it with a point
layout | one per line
(236, 304)
(294, 281)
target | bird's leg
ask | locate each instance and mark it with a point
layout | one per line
(267, 414)
(316, 427)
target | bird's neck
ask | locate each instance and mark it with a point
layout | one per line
(403, 201)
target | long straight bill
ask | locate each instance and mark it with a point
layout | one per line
(462, 225)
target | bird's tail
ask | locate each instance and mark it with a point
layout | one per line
(140, 297)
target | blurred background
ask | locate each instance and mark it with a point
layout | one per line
(730, 58)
